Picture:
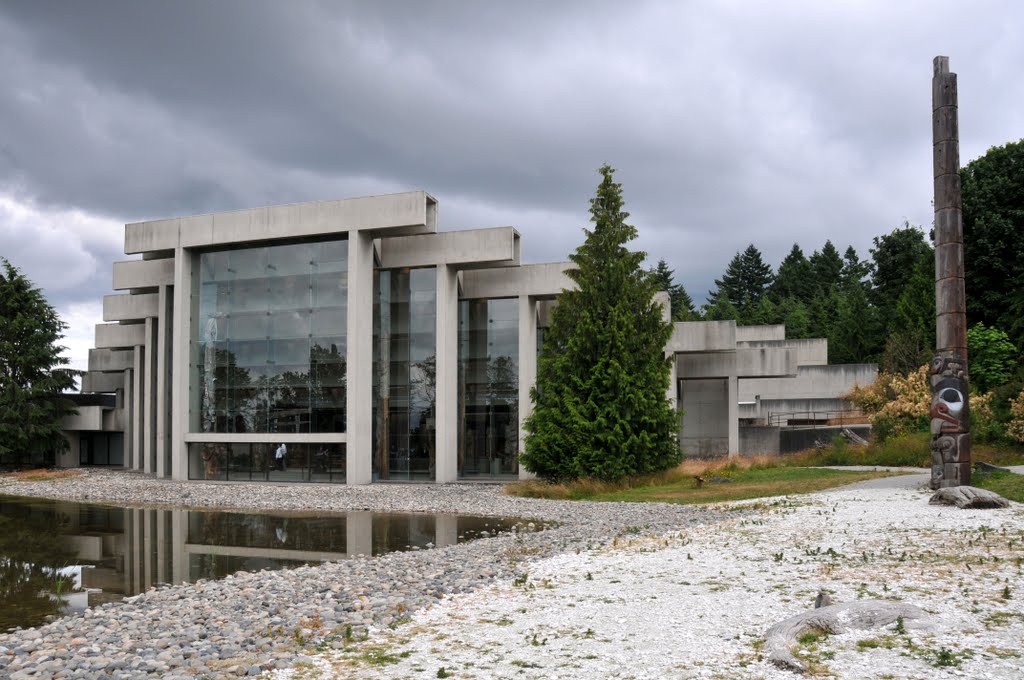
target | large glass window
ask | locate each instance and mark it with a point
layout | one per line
(489, 388)
(270, 336)
(404, 360)
(267, 462)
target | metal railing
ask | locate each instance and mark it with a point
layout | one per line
(816, 419)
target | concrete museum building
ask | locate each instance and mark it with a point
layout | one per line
(349, 341)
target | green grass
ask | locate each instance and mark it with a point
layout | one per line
(737, 480)
(1006, 484)
(743, 484)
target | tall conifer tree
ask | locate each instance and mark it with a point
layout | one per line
(33, 374)
(600, 408)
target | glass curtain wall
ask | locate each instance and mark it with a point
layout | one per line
(489, 388)
(404, 361)
(270, 333)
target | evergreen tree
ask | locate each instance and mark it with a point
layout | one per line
(796, 316)
(719, 308)
(794, 278)
(682, 303)
(855, 270)
(32, 372)
(745, 280)
(895, 259)
(599, 403)
(826, 268)
(993, 212)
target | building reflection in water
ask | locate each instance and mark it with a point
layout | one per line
(108, 553)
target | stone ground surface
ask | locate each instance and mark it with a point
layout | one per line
(617, 590)
(696, 603)
(251, 622)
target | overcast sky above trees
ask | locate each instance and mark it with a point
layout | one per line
(729, 123)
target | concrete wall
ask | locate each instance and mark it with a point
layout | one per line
(702, 336)
(755, 333)
(479, 247)
(705, 425)
(809, 352)
(757, 440)
(129, 307)
(143, 274)
(811, 382)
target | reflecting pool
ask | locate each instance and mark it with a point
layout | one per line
(58, 557)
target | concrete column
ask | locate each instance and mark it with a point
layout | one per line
(359, 358)
(359, 533)
(527, 367)
(181, 360)
(734, 415)
(446, 407)
(163, 381)
(135, 445)
(149, 399)
(129, 416)
(147, 549)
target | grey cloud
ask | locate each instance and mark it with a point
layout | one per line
(729, 123)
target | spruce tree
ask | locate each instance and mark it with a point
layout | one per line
(680, 300)
(600, 408)
(32, 372)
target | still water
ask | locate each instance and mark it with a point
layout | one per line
(58, 557)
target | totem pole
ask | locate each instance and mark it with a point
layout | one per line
(950, 412)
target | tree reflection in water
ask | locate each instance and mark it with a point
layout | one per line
(31, 558)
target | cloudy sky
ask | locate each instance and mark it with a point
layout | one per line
(729, 122)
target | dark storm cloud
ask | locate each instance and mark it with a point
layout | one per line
(730, 123)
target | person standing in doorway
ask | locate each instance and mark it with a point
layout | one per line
(279, 457)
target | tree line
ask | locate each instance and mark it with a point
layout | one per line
(881, 309)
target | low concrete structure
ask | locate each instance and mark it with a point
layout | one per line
(350, 341)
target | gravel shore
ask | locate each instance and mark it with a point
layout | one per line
(252, 622)
(697, 604)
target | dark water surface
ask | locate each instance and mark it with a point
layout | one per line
(58, 557)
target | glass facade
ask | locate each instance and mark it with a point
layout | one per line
(269, 331)
(404, 365)
(260, 462)
(489, 388)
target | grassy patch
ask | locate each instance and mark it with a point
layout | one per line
(749, 478)
(41, 474)
(909, 450)
(1006, 484)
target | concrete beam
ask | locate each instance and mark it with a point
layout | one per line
(412, 212)
(129, 307)
(471, 248)
(93, 381)
(88, 419)
(702, 336)
(535, 280)
(119, 336)
(775, 331)
(131, 274)
(809, 351)
(811, 382)
(742, 363)
(109, 360)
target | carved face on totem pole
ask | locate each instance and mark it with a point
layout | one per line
(949, 412)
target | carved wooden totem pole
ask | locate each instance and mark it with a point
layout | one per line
(950, 412)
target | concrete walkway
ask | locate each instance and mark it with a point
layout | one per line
(915, 478)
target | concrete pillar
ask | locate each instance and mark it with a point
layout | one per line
(135, 445)
(147, 549)
(161, 547)
(527, 368)
(181, 360)
(446, 407)
(734, 415)
(129, 416)
(359, 533)
(359, 358)
(163, 382)
(149, 399)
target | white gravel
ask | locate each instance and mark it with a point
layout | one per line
(695, 604)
